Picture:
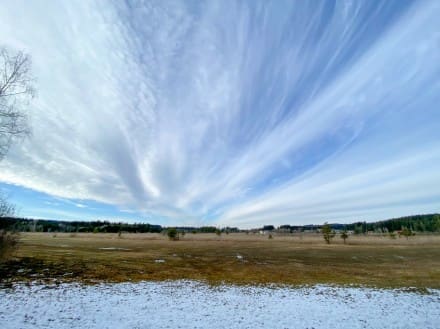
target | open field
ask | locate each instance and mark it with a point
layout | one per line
(235, 258)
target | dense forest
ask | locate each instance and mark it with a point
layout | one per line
(40, 225)
(43, 225)
(417, 223)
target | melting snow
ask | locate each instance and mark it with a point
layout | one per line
(188, 304)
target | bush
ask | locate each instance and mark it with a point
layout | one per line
(406, 232)
(8, 243)
(172, 234)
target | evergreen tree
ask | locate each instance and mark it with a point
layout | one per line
(327, 232)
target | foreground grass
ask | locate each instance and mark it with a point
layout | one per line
(233, 258)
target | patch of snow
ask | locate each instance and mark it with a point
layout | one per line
(159, 261)
(189, 304)
(113, 248)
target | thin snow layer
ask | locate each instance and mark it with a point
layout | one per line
(187, 304)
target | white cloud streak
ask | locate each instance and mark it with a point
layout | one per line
(231, 112)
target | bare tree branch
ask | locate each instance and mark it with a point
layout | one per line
(16, 90)
(6, 209)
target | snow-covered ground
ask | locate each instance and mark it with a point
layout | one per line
(183, 304)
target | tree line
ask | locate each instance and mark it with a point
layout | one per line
(416, 223)
(43, 225)
(40, 225)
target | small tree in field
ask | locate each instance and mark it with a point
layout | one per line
(327, 232)
(344, 235)
(406, 232)
(172, 234)
(218, 232)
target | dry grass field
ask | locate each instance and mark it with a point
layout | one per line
(235, 258)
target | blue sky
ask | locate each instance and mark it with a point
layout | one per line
(238, 113)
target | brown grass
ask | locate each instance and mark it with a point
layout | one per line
(234, 258)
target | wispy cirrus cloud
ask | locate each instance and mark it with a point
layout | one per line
(235, 113)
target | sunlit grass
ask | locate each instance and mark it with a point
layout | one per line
(234, 258)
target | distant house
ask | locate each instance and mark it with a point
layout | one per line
(267, 229)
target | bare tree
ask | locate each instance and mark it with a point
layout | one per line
(6, 209)
(8, 238)
(344, 235)
(16, 89)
